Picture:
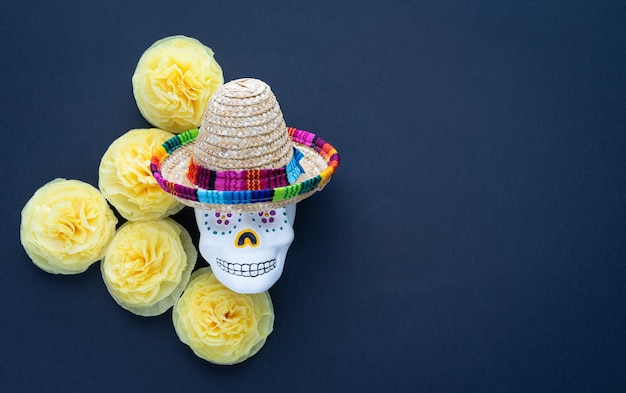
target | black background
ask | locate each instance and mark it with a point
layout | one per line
(473, 238)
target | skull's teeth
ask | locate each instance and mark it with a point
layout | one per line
(246, 269)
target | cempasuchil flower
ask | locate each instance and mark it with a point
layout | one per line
(66, 226)
(148, 265)
(219, 325)
(173, 81)
(126, 181)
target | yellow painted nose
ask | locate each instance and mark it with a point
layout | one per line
(246, 238)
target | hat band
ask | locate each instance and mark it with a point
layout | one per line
(278, 196)
(249, 179)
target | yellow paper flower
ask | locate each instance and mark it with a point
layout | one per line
(148, 265)
(222, 326)
(66, 226)
(126, 181)
(173, 82)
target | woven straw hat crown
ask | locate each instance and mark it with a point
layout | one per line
(243, 129)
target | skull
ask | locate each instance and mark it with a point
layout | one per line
(246, 250)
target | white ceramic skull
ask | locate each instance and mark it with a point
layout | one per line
(246, 250)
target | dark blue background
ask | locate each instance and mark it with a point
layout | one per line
(472, 240)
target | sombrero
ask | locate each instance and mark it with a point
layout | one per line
(243, 158)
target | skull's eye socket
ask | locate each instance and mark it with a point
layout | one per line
(245, 238)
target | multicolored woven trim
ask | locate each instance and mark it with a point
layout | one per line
(270, 194)
(254, 179)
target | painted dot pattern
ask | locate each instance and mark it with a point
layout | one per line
(271, 220)
(221, 224)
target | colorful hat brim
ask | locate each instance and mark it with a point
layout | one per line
(170, 162)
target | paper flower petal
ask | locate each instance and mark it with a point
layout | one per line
(173, 82)
(66, 226)
(148, 265)
(219, 325)
(126, 181)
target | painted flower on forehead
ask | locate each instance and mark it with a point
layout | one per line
(219, 325)
(66, 226)
(173, 82)
(126, 181)
(148, 265)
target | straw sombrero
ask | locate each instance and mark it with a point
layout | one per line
(243, 158)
